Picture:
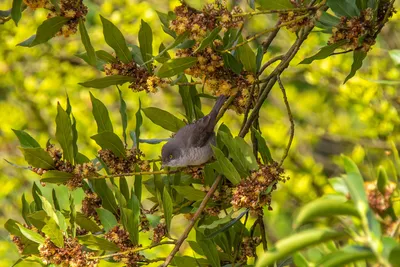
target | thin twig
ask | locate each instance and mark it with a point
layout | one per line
(195, 217)
(255, 36)
(269, 62)
(133, 250)
(270, 38)
(131, 174)
(272, 11)
(249, 100)
(290, 119)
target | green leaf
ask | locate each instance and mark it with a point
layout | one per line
(124, 188)
(105, 56)
(139, 121)
(163, 118)
(104, 192)
(396, 162)
(16, 11)
(339, 185)
(347, 8)
(138, 184)
(64, 134)
(275, 5)
(36, 193)
(108, 81)
(247, 57)
(262, 147)
(383, 180)
(74, 137)
(209, 248)
(52, 231)
(38, 218)
(358, 58)
(45, 31)
(25, 209)
(111, 141)
(97, 243)
(133, 219)
(176, 66)
(189, 192)
(297, 242)
(217, 223)
(232, 63)
(31, 235)
(136, 54)
(72, 215)
(146, 43)
(38, 157)
(25, 139)
(86, 42)
(225, 167)
(101, 116)
(185, 261)
(325, 52)
(116, 40)
(164, 18)
(395, 55)
(86, 223)
(56, 177)
(346, 256)
(355, 183)
(208, 39)
(328, 20)
(48, 208)
(124, 115)
(168, 208)
(324, 208)
(107, 219)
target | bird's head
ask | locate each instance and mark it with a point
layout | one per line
(171, 155)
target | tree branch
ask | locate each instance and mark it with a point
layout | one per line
(290, 119)
(131, 174)
(196, 216)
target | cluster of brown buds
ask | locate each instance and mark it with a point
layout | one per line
(89, 205)
(120, 237)
(79, 171)
(377, 201)
(159, 232)
(297, 22)
(143, 79)
(71, 9)
(248, 247)
(197, 23)
(218, 79)
(358, 31)
(118, 165)
(252, 192)
(72, 254)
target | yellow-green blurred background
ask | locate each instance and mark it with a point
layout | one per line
(357, 119)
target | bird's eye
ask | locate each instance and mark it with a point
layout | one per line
(171, 157)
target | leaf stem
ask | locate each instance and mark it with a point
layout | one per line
(272, 11)
(195, 217)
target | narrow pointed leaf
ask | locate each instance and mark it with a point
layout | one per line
(31, 235)
(262, 147)
(232, 63)
(358, 58)
(124, 115)
(38, 157)
(101, 116)
(25, 209)
(57, 177)
(25, 139)
(163, 118)
(225, 167)
(247, 57)
(109, 140)
(64, 134)
(16, 11)
(97, 243)
(189, 192)
(383, 180)
(208, 39)
(45, 31)
(107, 219)
(176, 66)
(146, 43)
(116, 40)
(108, 81)
(325, 52)
(168, 208)
(52, 231)
(86, 42)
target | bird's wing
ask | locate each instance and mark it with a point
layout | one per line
(196, 134)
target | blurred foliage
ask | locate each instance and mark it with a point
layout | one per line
(359, 118)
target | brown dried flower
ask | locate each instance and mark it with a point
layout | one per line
(117, 164)
(378, 202)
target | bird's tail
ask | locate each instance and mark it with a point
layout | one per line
(215, 110)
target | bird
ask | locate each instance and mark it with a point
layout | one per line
(191, 145)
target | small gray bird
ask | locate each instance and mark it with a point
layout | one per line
(191, 145)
